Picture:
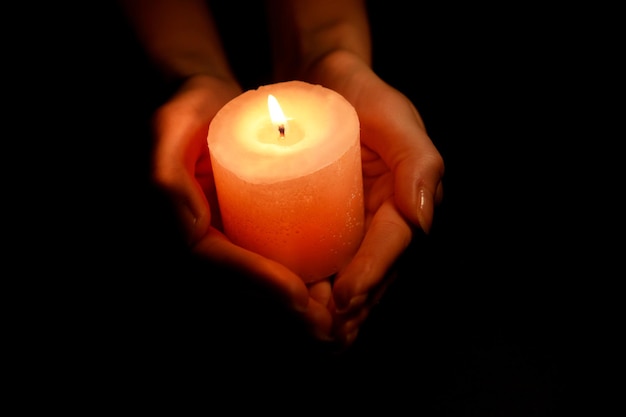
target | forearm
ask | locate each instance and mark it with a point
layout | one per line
(179, 36)
(306, 32)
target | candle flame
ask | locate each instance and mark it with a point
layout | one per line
(276, 114)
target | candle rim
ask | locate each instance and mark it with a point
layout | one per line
(268, 163)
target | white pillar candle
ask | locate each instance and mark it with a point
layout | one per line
(291, 188)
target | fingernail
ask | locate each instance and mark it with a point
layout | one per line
(424, 206)
(354, 302)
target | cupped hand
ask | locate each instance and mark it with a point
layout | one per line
(182, 168)
(402, 173)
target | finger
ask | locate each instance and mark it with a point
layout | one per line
(347, 326)
(276, 278)
(181, 157)
(189, 202)
(418, 189)
(321, 291)
(179, 145)
(319, 321)
(386, 239)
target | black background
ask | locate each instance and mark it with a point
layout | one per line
(494, 313)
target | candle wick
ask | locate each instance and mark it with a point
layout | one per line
(281, 130)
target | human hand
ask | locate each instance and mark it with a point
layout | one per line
(402, 173)
(182, 168)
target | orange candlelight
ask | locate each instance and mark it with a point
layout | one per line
(287, 166)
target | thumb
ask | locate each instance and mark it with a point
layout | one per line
(188, 201)
(418, 188)
(414, 160)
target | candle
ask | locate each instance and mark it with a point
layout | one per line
(286, 160)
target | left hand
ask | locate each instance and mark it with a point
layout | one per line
(402, 174)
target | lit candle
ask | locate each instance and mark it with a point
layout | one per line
(287, 166)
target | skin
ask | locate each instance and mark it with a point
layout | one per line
(322, 42)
